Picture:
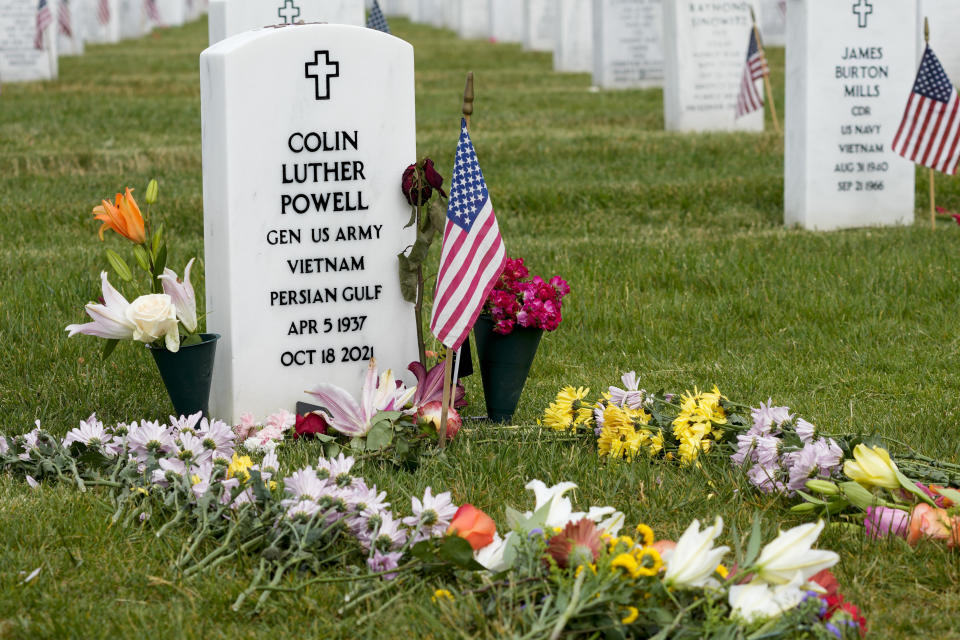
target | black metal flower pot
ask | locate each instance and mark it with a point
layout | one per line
(505, 362)
(187, 374)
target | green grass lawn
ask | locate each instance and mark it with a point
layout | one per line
(680, 268)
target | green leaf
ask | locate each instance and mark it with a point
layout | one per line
(514, 518)
(119, 265)
(389, 416)
(857, 495)
(358, 444)
(157, 239)
(161, 261)
(190, 340)
(809, 498)
(143, 258)
(424, 551)
(108, 348)
(380, 436)
(458, 551)
(753, 545)
(408, 278)
(331, 449)
(911, 486)
(413, 218)
(950, 494)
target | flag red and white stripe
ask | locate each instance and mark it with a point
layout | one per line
(930, 130)
(750, 99)
(64, 19)
(103, 11)
(473, 255)
(153, 13)
(44, 19)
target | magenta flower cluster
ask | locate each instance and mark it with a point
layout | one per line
(518, 299)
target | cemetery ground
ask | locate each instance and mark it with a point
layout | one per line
(680, 268)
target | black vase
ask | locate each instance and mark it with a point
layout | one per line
(505, 362)
(187, 374)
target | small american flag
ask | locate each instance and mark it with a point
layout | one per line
(376, 20)
(755, 68)
(930, 130)
(44, 18)
(63, 18)
(150, 6)
(103, 11)
(472, 257)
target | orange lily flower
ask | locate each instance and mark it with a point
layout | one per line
(124, 217)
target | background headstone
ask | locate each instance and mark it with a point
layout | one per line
(573, 47)
(400, 8)
(474, 19)
(627, 43)
(451, 14)
(431, 12)
(849, 74)
(230, 17)
(20, 61)
(71, 44)
(307, 130)
(773, 22)
(506, 20)
(98, 27)
(539, 24)
(173, 13)
(705, 50)
(944, 16)
(133, 19)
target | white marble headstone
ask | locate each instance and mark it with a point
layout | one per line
(627, 43)
(134, 22)
(307, 130)
(539, 24)
(506, 20)
(98, 21)
(451, 13)
(173, 13)
(705, 51)
(573, 47)
(850, 67)
(71, 43)
(474, 19)
(400, 8)
(944, 17)
(230, 17)
(20, 61)
(431, 12)
(773, 22)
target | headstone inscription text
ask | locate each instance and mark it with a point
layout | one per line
(306, 132)
(850, 68)
(705, 49)
(20, 60)
(627, 43)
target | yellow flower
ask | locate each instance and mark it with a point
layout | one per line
(649, 562)
(441, 594)
(561, 413)
(632, 614)
(656, 444)
(239, 466)
(626, 562)
(722, 571)
(579, 570)
(140, 490)
(646, 534)
(872, 466)
(618, 438)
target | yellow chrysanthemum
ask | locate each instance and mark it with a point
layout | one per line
(649, 562)
(645, 534)
(655, 445)
(239, 466)
(632, 614)
(441, 594)
(562, 412)
(579, 570)
(627, 562)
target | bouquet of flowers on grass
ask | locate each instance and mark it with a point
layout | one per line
(559, 571)
(518, 299)
(166, 315)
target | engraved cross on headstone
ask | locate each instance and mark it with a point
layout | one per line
(289, 12)
(862, 8)
(322, 71)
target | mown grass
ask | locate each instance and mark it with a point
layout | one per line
(680, 268)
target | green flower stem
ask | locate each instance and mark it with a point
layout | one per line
(384, 606)
(571, 608)
(665, 633)
(253, 585)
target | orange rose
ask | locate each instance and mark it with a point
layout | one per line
(473, 525)
(931, 522)
(124, 217)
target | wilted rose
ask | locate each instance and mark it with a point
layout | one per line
(155, 317)
(309, 426)
(434, 179)
(415, 190)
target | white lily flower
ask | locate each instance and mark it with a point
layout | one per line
(791, 554)
(560, 510)
(493, 556)
(758, 600)
(182, 295)
(694, 560)
(109, 319)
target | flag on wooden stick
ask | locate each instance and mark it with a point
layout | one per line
(930, 130)
(44, 18)
(750, 99)
(376, 20)
(473, 255)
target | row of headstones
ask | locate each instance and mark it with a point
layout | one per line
(30, 42)
(302, 236)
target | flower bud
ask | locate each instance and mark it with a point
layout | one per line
(823, 487)
(152, 191)
(804, 507)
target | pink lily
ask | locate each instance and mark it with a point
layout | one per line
(430, 385)
(351, 418)
(109, 319)
(181, 292)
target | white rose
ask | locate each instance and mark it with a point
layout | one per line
(154, 316)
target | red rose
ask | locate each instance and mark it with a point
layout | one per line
(309, 425)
